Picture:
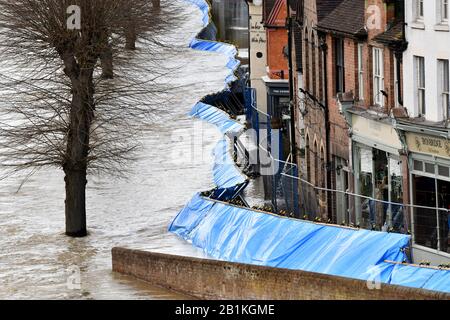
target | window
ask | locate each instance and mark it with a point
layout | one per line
(378, 77)
(397, 88)
(339, 57)
(444, 90)
(313, 64)
(420, 84)
(360, 71)
(306, 51)
(444, 11)
(419, 10)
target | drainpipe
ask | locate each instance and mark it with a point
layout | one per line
(324, 47)
(249, 45)
(291, 84)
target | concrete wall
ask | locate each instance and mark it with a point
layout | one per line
(210, 279)
(420, 253)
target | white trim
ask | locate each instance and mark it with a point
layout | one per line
(361, 71)
(378, 75)
(430, 250)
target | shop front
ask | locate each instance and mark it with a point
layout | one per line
(430, 190)
(378, 175)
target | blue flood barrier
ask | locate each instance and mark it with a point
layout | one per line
(226, 174)
(204, 8)
(216, 117)
(241, 235)
(415, 276)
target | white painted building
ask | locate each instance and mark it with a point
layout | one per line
(258, 53)
(426, 131)
(426, 61)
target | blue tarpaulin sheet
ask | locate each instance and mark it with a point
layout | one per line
(226, 174)
(416, 277)
(241, 235)
(217, 117)
(204, 8)
(222, 48)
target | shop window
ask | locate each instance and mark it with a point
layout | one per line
(425, 222)
(418, 165)
(429, 168)
(443, 192)
(444, 171)
(396, 207)
(379, 216)
(365, 208)
(431, 219)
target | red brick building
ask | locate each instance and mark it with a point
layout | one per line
(351, 80)
(277, 39)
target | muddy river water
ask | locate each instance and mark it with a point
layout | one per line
(38, 262)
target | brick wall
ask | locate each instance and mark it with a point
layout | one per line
(277, 39)
(210, 279)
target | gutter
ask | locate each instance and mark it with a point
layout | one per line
(291, 85)
(324, 47)
(418, 129)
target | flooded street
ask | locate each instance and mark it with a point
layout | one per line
(37, 259)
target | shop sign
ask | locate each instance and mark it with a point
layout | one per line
(376, 131)
(427, 144)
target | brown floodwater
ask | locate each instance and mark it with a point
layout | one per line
(37, 261)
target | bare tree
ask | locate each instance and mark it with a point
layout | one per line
(60, 106)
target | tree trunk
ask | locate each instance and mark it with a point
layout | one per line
(75, 167)
(156, 4)
(130, 36)
(106, 60)
(76, 203)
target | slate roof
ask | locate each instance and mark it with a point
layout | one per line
(347, 18)
(392, 35)
(325, 7)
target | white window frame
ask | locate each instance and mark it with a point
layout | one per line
(396, 83)
(420, 87)
(419, 10)
(443, 86)
(361, 70)
(378, 76)
(444, 11)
